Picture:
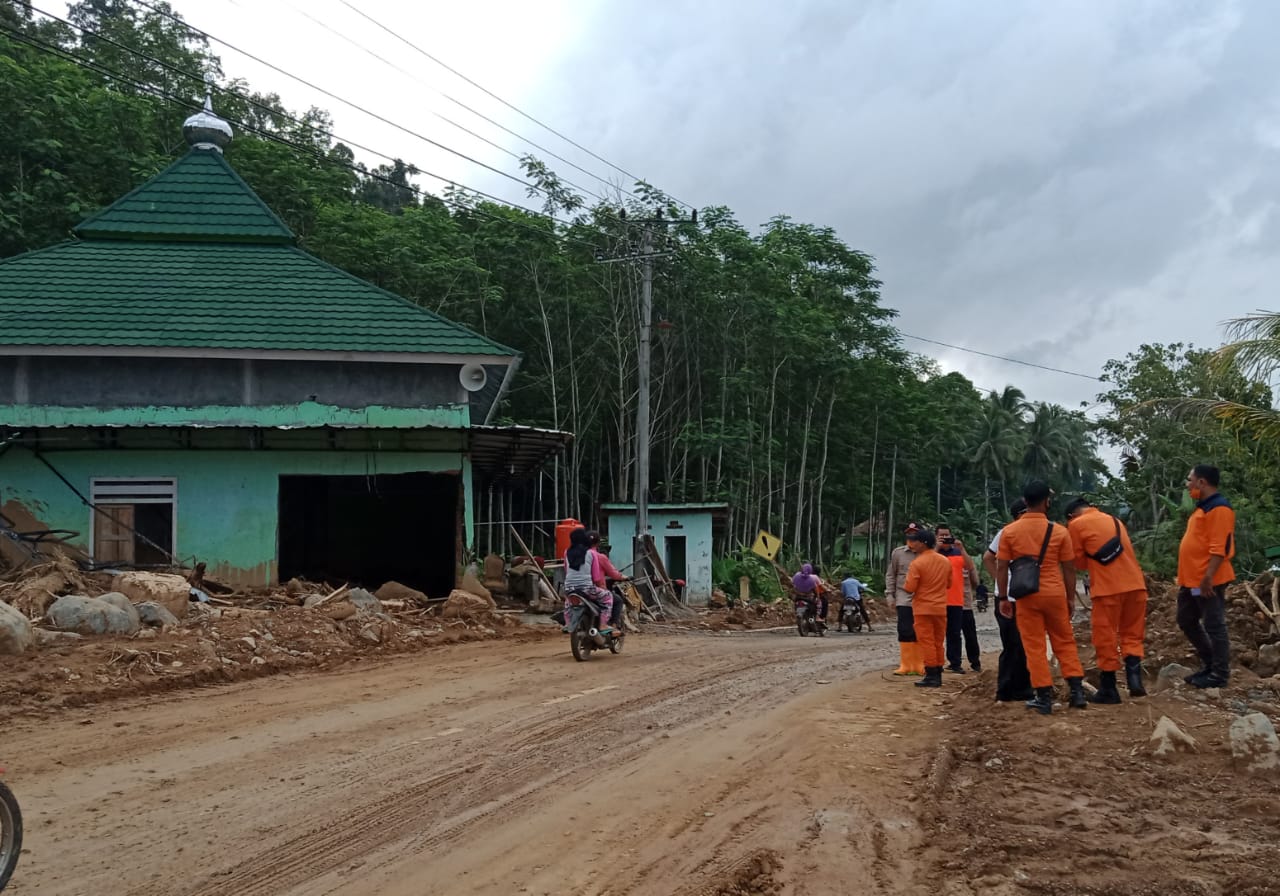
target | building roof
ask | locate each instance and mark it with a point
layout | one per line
(106, 293)
(198, 197)
(194, 260)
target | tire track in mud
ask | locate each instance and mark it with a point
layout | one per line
(444, 807)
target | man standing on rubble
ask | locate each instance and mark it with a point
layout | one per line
(1013, 681)
(911, 662)
(1119, 589)
(1204, 571)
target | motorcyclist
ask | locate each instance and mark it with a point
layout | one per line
(853, 589)
(580, 565)
(605, 574)
(808, 588)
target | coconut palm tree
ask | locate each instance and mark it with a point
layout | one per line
(1254, 352)
(1000, 439)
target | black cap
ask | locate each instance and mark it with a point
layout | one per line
(1076, 503)
(1017, 508)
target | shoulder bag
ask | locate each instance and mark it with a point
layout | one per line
(1024, 572)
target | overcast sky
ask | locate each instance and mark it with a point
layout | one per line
(1057, 182)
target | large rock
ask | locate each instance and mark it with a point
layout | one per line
(173, 592)
(16, 632)
(155, 615)
(465, 605)
(122, 603)
(1254, 745)
(1268, 662)
(396, 591)
(364, 602)
(1168, 739)
(1170, 676)
(90, 616)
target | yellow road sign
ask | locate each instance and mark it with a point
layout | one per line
(767, 545)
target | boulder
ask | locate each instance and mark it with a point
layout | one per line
(16, 632)
(90, 616)
(1169, 676)
(155, 615)
(465, 605)
(1254, 745)
(122, 603)
(46, 638)
(396, 591)
(1268, 662)
(363, 601)
(1168, 739)
(172, 591)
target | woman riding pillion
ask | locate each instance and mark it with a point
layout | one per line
(580, 565)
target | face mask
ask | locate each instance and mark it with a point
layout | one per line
(1195, 493)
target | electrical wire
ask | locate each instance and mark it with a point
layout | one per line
(104, 70)
(974, 351)
(457, 102)
(400, 37)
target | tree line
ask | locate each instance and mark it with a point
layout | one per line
(781, 384)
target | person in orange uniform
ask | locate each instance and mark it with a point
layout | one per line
(928, 580)
(964, 580)
(1119, 616)
(1204, 571)
(1048, 609)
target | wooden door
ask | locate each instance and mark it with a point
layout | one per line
(113, 534)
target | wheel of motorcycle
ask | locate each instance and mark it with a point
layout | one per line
(615, 645)
(10, 834)
(800, 629)
(580, 644)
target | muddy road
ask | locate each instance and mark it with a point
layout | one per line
(690, 764)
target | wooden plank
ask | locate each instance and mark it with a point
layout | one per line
(113, 540)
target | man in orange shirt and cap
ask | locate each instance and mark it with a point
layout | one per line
(928, 579)
(1119, 589)
(1204, 571)
(1032, 542)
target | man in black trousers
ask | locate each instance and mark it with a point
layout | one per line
(1013, 681)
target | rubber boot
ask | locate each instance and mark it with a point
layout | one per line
(1042, 702)
(932, 678)
(1133, 676)
(1107, 692)
(904, 662)
(1077, 699)
(915, 659)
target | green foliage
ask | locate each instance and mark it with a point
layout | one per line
(727, 570)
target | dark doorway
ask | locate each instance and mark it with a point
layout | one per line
(677, 566)
(368, 530)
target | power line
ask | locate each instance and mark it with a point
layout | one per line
(457, 102)
(328, 93)
(273, 111)
(98, 68)
(400, 37)
(974, 351)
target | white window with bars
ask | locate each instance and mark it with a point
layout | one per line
(134, 521)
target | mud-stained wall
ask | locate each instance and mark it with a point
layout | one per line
(227, 507)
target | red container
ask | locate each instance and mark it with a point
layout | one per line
(563, 530)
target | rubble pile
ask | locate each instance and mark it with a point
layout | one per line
(69, 637)
(1255, 639)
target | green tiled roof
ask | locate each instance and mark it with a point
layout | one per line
(198, 197)
(194, 259)
(212, 296)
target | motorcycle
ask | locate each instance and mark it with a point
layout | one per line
(10, 833)
(807, 622)
(851, 615)
(583, 622)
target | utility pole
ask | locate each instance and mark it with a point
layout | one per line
(648, 252)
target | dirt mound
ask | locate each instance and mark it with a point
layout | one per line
(1250, 628)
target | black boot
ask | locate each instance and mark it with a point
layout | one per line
(1133, 676)
(932, 678)
(1078, 699)
(1107, 691)
(1042, 702)
(1204, 672)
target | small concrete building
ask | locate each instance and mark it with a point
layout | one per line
(181, 382)
(683, 534)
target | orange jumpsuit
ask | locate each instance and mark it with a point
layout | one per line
(1045, 611)
(1119, 589)
(928, 580)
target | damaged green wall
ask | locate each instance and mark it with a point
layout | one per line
(228, 501)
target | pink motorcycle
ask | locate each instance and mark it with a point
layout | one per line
(10, 833)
